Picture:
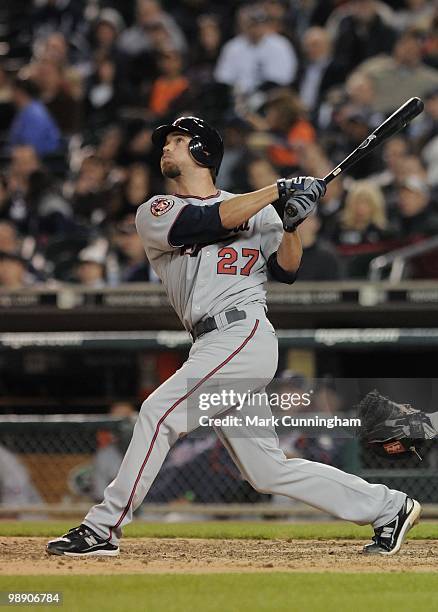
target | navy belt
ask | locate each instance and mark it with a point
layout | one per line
(211, 323)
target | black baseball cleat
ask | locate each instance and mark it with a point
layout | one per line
(388, 539)
(81, 542)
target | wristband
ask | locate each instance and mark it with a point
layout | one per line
(283, 191)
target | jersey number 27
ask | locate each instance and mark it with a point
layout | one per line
(228, 257)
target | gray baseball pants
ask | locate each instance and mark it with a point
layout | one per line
(243, 350)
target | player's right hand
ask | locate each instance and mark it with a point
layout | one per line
(303, 194)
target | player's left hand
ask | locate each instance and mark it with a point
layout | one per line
(304, 193)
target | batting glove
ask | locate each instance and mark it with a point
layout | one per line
(302, 194)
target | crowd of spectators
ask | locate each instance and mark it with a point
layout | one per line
(293, 85)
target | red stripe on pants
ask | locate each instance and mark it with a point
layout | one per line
(181, 399)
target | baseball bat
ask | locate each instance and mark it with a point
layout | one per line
(396, 122)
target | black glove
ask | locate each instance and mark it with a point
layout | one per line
(302, 195)
(393, 430)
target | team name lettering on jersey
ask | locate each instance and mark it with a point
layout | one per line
(244, 227)
(193, 249)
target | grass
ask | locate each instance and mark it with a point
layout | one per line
(282, 592)
(222, 530)
(234, 592)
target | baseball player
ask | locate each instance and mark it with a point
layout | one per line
(212, 251)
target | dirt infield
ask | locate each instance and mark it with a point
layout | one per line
(25, 556)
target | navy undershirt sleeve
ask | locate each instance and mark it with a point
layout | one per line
(277, 272)
(196, 225)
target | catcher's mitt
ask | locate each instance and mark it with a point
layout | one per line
(393, 430)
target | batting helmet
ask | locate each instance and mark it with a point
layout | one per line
(206, 146)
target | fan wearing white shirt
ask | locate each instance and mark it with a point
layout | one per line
(256, 56)
(319, 71)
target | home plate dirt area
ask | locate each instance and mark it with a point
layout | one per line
(27, 556)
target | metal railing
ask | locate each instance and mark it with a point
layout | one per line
(397, 259)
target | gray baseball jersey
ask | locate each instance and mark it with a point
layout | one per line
(206, 281)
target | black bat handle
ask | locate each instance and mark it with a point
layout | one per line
(332, 175)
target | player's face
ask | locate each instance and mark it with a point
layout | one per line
(176, 157)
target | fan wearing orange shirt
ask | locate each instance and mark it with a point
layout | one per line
(170, 85)
(286, 124)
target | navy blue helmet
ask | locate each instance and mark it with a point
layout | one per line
(206, 146)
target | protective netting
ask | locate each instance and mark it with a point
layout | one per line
(68, 459)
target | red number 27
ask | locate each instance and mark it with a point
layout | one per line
(228, 257)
